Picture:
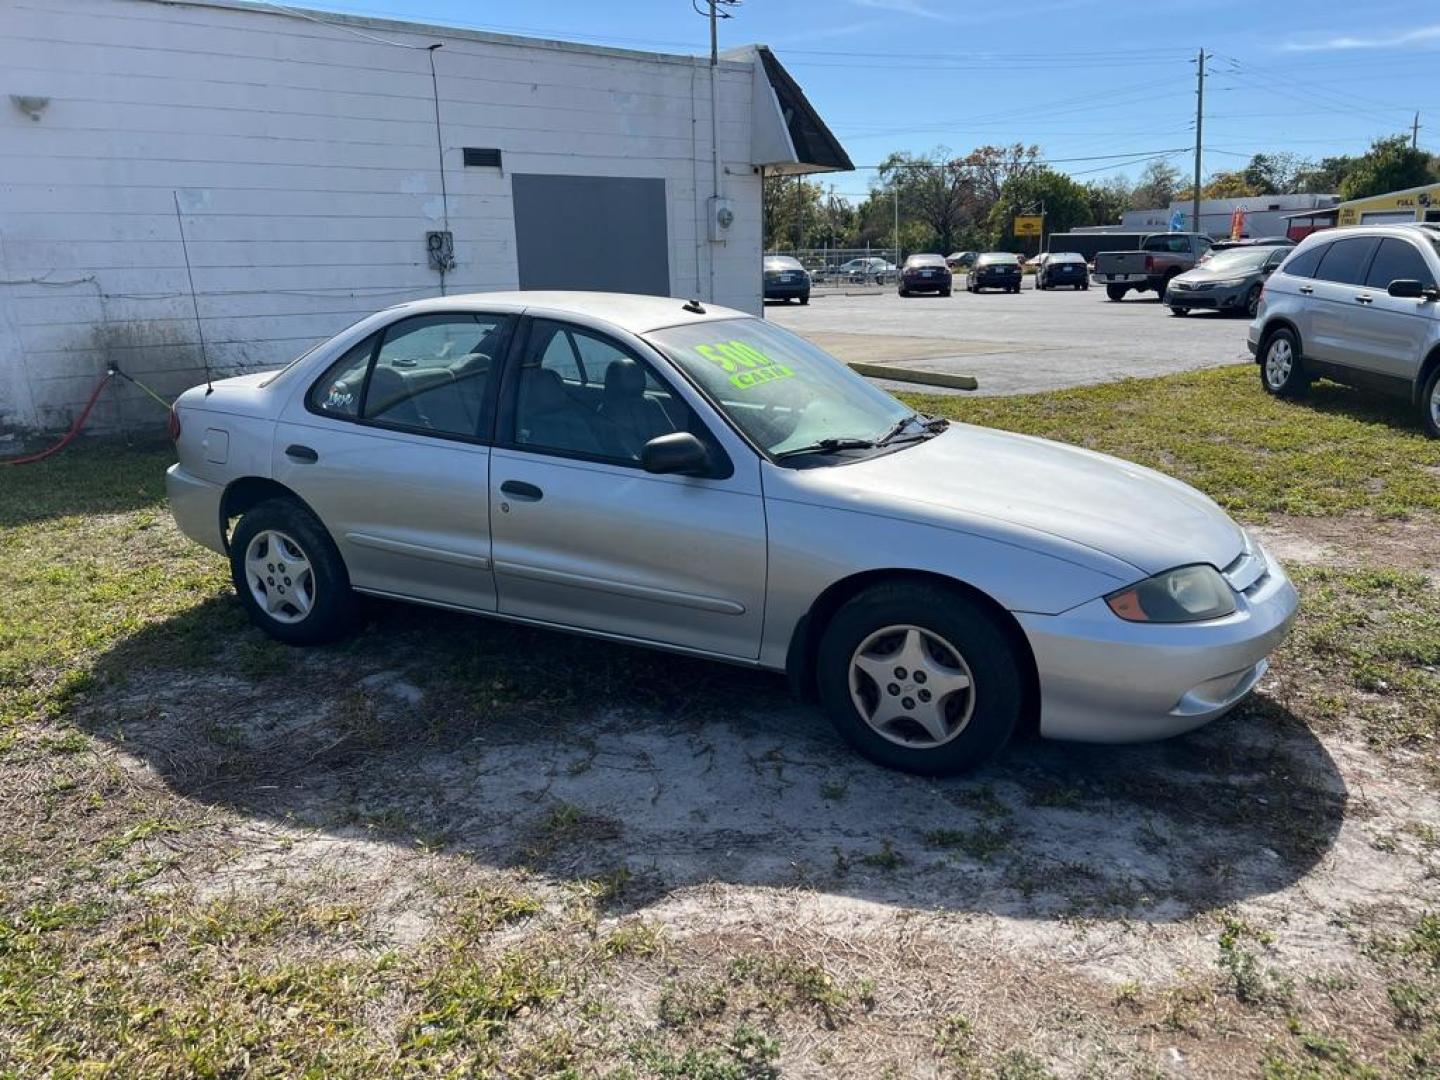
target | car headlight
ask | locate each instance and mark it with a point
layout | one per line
(1230, 282)
(1185, 594)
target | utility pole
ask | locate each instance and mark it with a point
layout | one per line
(895, 190)
(1199, 134)
(1415, 132)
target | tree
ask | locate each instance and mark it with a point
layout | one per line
(935, 190)
(1108, 199)
(1274, 174)
(1225, 185)
(1158, 186)
(1326, 177)
(1066, 203)
(1389, 165)
(992, 167)
(792, 211)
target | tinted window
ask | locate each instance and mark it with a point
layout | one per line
(337, 392)
(1177, 244)
(1345, 261)
(1305, 263)
(924, 260)
(581, 393)
(1397, 259)
(432, 372)
(782, 262)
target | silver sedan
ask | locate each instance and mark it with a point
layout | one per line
(658, 472)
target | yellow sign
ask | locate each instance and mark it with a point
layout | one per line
(1029, 225)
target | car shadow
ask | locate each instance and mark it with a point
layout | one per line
(1367, 406)
(582, 760)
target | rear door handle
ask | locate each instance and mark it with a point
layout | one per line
(1362, 299)
(1307, 289)
(519, 489)
(296, 452)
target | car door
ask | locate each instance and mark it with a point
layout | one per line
(1335, 303)
(584, 537)
(1391, 331)
(388, 447)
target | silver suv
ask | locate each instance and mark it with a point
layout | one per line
(1360, 306)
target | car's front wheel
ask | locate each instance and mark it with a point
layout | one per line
(289, 575)
(920, 678)
(1282, 372)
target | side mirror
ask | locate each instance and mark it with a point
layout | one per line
(679, 453)
(1406, 289)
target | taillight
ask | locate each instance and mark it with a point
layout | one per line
(1149, 263)
(173, 424)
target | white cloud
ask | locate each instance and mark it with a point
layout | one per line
(1417, 35)
(906, 7)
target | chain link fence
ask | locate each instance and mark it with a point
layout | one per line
(866, 269)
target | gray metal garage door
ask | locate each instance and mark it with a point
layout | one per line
(591, 232)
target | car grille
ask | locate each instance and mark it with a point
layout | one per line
(1249, 570)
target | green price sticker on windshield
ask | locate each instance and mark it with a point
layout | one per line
(746, 365)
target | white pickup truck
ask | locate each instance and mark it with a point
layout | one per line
(1160, 257)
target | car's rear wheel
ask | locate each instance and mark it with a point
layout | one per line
(1282, 371)
(289, 575)
(805, 298)
(1116, 292)
(1430, 404)
(944, 292)
(920, 678)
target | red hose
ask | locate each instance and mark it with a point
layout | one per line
(74, 428)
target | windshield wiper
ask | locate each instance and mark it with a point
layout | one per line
(825, 446)
(927, 423)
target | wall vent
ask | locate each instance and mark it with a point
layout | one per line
(482, 157)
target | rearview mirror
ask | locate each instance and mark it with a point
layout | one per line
(679, 453)
(1406, 289)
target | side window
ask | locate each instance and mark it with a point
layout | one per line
(1155, 243)
(1305, 263)
(1395, 260)
(432, 372)
(1345, 262)
(337, 392)
(580, 393)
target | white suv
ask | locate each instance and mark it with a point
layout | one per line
(1360, 306)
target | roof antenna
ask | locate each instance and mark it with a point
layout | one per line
(190, 276)
(694, 307)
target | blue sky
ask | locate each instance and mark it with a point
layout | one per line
(1098, 84)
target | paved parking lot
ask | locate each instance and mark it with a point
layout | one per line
(1017, 343)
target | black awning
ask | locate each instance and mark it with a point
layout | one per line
(814, 143)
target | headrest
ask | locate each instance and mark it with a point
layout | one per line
(624, 378)
(545, 390)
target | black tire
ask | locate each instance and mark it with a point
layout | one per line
(1084, 288)
(1430, 404)
(944, 292)
(1163, 288)
(805, 299)
(1179, 310)
(1039, 285)
(1252, 300)
(1116, 292)
(331, 603)
(1277, 378)
(996, 691)
(902, 292)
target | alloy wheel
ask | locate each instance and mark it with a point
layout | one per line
(280, 576)
(912, 687)
(1279, 359)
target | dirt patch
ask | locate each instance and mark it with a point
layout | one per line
(1353, 540)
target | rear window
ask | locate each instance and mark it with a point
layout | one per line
(1345, 262)
(925, 260)
(1064, 257)
(782, 262)
(1395, 261)
(996, 258)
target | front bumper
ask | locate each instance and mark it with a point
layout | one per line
(1229, 298)
(1106, 680)
(196, 506)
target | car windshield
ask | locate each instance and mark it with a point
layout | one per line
(924, 260)
(996, 259)
(1239, 259)
(782, 392)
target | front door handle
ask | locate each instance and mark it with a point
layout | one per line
(519, 489)
(296, 452)
(1307, 289)
(1363, 299)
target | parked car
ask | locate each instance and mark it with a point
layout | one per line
(871, 268)
(1229, 245)
(669, 474)
(1057, 268)
(1230, 282)
(925, 273)
(1360, 306)
(1160, 257)
(994, 270)
(786, 279)
(961, 260)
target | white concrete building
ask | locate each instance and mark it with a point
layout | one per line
(308, 162)
(1265, 215)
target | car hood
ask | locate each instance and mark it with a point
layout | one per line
(1208, 273)
(980, 479)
